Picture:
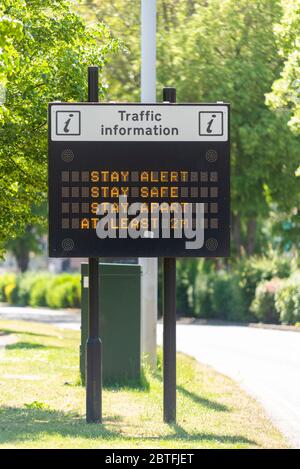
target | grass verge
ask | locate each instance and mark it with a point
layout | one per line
(42, 403)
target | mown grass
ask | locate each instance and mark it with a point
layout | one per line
(42, 404)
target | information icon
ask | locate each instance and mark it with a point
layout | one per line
(67, 122)
(211, 123)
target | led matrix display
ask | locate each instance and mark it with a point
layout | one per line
(160, 175)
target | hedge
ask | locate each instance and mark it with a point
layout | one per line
(254, 270)
(5, 280)
(255, 289)
(287, 300)
(227, 299)
(41, 289)
(263, 306)
(64, 291)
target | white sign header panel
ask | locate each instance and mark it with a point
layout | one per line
(139, 122)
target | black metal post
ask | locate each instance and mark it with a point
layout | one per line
(169, 319)
(93, 344)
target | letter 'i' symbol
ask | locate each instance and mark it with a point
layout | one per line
(66, 127)
(210, 123)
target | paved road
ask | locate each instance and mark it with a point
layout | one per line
(266, 363)
(69, 319)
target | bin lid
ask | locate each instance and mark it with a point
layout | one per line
(109, 269)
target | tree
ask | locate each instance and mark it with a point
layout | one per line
(31, 241)
(285, 94)
(226, 50)
(214, 50)
(286, 89)
(123, 18)
(21, 247)
(45, 49)
(220, 50)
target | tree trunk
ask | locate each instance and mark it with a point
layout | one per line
(23, 260)
(236, 232)
(251, 230)
(191, 7)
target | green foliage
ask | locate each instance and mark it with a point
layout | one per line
(238, 65)
(186, 274)
(226, 297)
(64, 291)
(256, 269)
(219, 50)
(203, 306)
(39, 290)
(5, 279)
(263, 305)
(66, 295)
(45, 49)
(25, 284)
(123, 17)
(282, 230)
(287, 302)
(286, 89)
(194, 279)
(219, 296)
(11, 291)
(252, 286)
(18, 289)
(229, 294)
(31, 241)
(37, 405)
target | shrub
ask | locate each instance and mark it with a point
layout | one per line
(11, 291)
(186, 274)
(226, 297)
(39, 290)
(203, 307)
(74, 294)
(6, 279)
(287, 302)
(254, 270)
(219, 296)
(26, 283)
(263, 305)
(64, 291)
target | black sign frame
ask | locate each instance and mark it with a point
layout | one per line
(210, 160)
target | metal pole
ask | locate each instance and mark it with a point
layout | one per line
(149, 265)
(148, 51)
(93, 344)
(169, 319)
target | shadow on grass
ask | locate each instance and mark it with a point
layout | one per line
(34, 334)
(208, 403)
(181, 434)
(28, 346)
(27, 424)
